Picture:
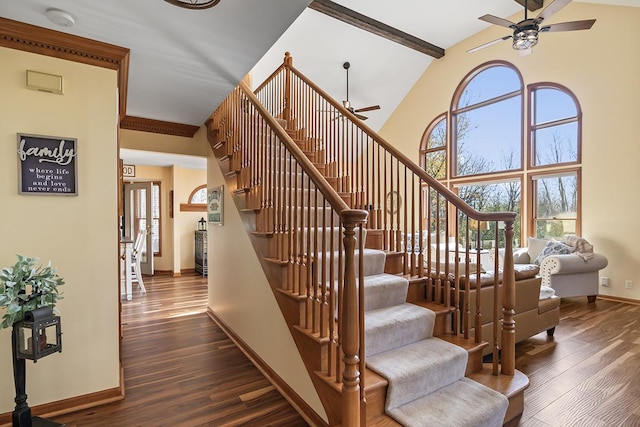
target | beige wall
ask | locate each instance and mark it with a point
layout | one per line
(177, 233)
(78, 234)
(185, 181)
(601, 67)
(147, 141)
(240, 294)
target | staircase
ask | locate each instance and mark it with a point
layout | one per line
(366, 283)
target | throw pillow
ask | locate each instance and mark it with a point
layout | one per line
(535, 246)
(553, 248)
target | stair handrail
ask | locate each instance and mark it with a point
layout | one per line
(352, 317)
(411, 165)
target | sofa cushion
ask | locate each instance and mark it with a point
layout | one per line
(553, 247)
(525, 271)
(535, 246)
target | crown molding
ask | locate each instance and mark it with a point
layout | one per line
(30, 38)
(158, 126)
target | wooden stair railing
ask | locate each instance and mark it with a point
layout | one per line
(437, 234)
(315, 239)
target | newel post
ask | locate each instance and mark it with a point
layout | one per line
(286, 111)
(350, 327)
(508, 305)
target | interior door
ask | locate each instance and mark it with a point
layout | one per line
(138, 214)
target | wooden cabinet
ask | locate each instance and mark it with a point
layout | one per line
(201, 252)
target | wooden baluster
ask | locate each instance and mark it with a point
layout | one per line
(496, 305)
(350, 323)
(341, 276)
(508, 304)
(314, 262)
(332, 301)
(478, 317)
(286, 112)
(406, 228)
(325, 316)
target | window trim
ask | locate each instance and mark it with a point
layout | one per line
(531, 128)
(424, 143)
(527, 173)
(454, 111)
(194, 207)
(531, 229)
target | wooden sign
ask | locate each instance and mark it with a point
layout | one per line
(129, 171)
(47, 165)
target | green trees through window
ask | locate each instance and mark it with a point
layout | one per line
(500, 156)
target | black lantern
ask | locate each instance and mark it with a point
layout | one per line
(202, 225)
(33, 338)
(38, 335)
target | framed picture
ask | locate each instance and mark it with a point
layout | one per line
(47, 165)
(215, 202)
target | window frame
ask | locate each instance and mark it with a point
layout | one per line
(424, 144)
(531, 188)
(528, 172)
(531, 128)
(454, 111)
(194, 207)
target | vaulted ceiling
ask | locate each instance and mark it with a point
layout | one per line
(182, 63)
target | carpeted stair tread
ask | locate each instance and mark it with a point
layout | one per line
(391, 327)
(373, 260)
(464, 403)
(419, 368)
(384, 290)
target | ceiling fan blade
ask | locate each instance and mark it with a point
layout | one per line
(491, 43)
(371, 108)
(497, 21)
(361, 117)
(569, 26)
(551, 8)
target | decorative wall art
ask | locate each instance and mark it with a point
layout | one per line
(47, 165)
(215, 201)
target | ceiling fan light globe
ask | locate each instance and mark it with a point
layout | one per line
(525, 39)
(346, 104)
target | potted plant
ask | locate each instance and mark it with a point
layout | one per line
(25, 287)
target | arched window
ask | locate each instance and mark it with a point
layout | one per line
(197, 200)
(486, 121)
(199, 195)
(433, 149)
(489, 158)
(555, 119)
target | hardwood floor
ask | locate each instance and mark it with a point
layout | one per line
(180, 369)
(588, 374)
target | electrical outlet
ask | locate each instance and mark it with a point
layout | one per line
(628, 284)
(604, 281)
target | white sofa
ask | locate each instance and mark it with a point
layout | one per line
(570, 275)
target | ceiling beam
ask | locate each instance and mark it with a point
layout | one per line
(531, 4)
(378, 28)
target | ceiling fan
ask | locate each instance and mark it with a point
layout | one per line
(525, 32)
(348, 105)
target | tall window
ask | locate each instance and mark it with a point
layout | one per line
(487, 122)
(489, 157)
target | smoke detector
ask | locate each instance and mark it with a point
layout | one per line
(60, 17)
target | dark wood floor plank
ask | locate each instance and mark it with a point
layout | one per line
(588, 373)
(180, 369)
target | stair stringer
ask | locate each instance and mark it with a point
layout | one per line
(271, 275)
(288, 302)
